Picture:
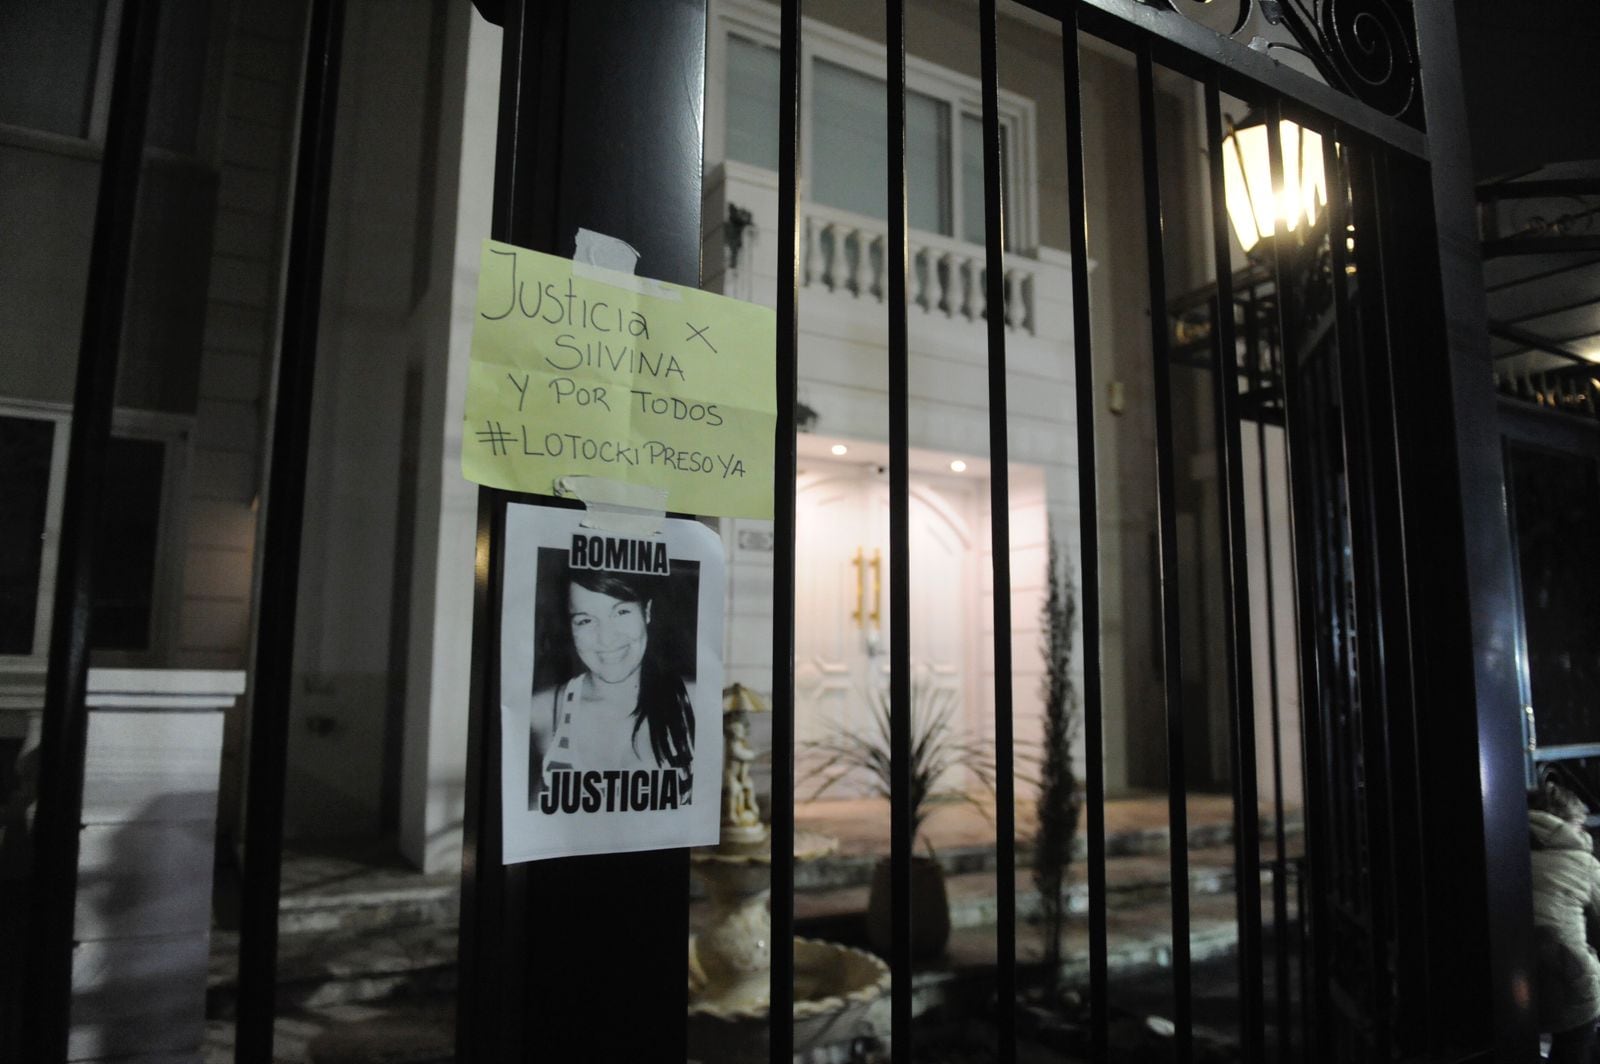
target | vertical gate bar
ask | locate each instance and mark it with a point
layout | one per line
(1334, 477)
(523, 177)
(64, 728)
(1236, 628)
(781, 1013)
(1303, 548)
(1280, 842)
(280, 560)
(1369, 586)
(1088, 534)
(1167, 517)
(1000, 539)
(900, 825)
(491, 975)
(1307, 1004)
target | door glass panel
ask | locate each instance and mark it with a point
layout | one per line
(177, 88)
(973, 222)
(850, 171)
(25, 450)
(125, 561)
(927, 164)
(49, 54)
(752, 103)
(1556, 514)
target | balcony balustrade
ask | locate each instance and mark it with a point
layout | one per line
(844, 253)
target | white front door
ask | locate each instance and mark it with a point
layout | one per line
(842, 598)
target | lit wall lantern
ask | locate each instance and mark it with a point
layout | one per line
(1254, 205)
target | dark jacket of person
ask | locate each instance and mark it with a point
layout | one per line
(1566, 918)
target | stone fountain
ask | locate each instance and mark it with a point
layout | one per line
(730, 961)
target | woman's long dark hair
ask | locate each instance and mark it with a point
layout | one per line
(663, 705)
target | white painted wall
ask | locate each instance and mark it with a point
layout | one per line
(439, 636)
(1267, 528)
(368, 345)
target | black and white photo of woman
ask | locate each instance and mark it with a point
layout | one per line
(613, 672)
(610, 684)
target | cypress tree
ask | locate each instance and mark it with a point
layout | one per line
(1058, 803)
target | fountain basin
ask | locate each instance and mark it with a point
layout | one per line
(835, 986)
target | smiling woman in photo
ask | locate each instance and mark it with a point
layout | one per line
(623, 708)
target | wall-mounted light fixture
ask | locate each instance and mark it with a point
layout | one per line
(839, 449)
(958, 466)
(1254, 205)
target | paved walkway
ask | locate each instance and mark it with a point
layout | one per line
(364, 900)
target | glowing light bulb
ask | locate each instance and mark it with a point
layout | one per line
(839, 449)
(958, 466)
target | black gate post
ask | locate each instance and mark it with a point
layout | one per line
(267, 779)
(601, 112)
(1468, 636)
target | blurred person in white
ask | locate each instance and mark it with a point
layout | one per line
(1566, 918)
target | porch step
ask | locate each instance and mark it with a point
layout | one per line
(1149, 844)
(1138, 942)
(318, 970)
(1131, 883)
(326, 894)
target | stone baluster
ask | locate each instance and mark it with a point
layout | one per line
(876, 264)
(853, 248)
(808, 258)
(830, 256)
(947, 280)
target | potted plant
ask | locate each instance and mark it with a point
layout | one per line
(938, 751)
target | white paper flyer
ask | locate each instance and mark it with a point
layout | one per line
(610, 686)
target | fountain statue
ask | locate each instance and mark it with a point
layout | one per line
(730, 960)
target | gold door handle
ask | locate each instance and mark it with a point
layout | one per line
(860, 562)
(877, 586)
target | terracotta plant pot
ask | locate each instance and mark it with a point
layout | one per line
(930, 909)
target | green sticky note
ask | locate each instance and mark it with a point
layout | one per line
(580, 370)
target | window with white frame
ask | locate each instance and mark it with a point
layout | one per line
(843, 117)
(135, 545)
(56, 62)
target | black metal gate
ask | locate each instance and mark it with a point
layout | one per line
(1397, 935)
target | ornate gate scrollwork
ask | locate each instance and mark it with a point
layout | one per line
(1366, 48)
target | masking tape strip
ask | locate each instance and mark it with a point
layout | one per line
(602, 258)
(614, 506)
